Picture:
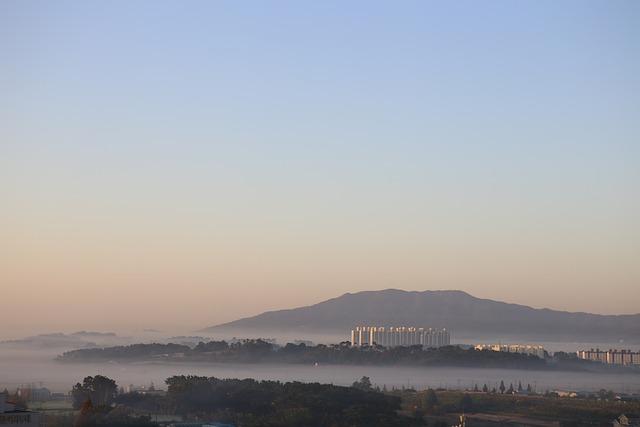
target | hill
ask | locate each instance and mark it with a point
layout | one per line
(465, 315)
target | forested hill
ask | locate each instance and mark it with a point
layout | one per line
(464, 315)
(259, 351)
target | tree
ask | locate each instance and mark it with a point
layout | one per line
(430, 399)
(79, 396)
(271, 403)
(475, 388)
(529, 390)
(502, 387)
(211, 346)
(510, 391)
(485, 389)
(363, 384)
(606, 395)
(466, 403)
(519, 387)
(99, 389)
(86, 413)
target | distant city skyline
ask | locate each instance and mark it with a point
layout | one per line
(176, 165)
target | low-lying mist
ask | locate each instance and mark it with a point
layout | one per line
(32, 360)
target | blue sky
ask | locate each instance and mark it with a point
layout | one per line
(323, 147)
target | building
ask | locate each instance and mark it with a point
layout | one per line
(144, 390)
(10, 416)
(34, 394)
(594, 355)
(399, 336)
(611, 357)
(566, 393)
(533, 350)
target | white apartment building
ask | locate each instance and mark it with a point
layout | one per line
(534, 350)
(611, 357)
(399, 336)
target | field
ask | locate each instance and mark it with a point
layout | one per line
(488, 409)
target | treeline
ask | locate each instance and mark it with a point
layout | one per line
(270, 403)
(243, 403)
(251, 403)
(133, 351)
(94, 398)
(259, 351)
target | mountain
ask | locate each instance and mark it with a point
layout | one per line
(464, 315)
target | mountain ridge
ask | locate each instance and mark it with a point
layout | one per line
(462, 313)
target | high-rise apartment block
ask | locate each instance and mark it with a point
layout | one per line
(399, 336)
(611, 357)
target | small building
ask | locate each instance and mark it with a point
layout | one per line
(566, 393)
(530, 349)
(145, 390)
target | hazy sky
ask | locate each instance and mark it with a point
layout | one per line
(186, 163)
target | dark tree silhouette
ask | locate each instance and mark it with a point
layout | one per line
(260, 351)
(271, 403)
(99, 389)
(363, 384)
(466, 403)
(430, 399)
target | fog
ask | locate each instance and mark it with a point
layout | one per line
(26, 362)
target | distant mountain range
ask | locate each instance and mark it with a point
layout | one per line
(80, 339)
(466, 316)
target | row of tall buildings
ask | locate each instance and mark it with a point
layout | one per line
(399, 336)
(533, 350)
(611, 357)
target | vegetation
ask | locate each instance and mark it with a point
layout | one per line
(119, 416)
(270, 403)
(100, 390)
(245, 403)
(363, 384)
(134, 351)
(251, 403)
(259, 351)
(95, 398)
(443, 404)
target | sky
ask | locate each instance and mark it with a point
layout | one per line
(181, 164)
